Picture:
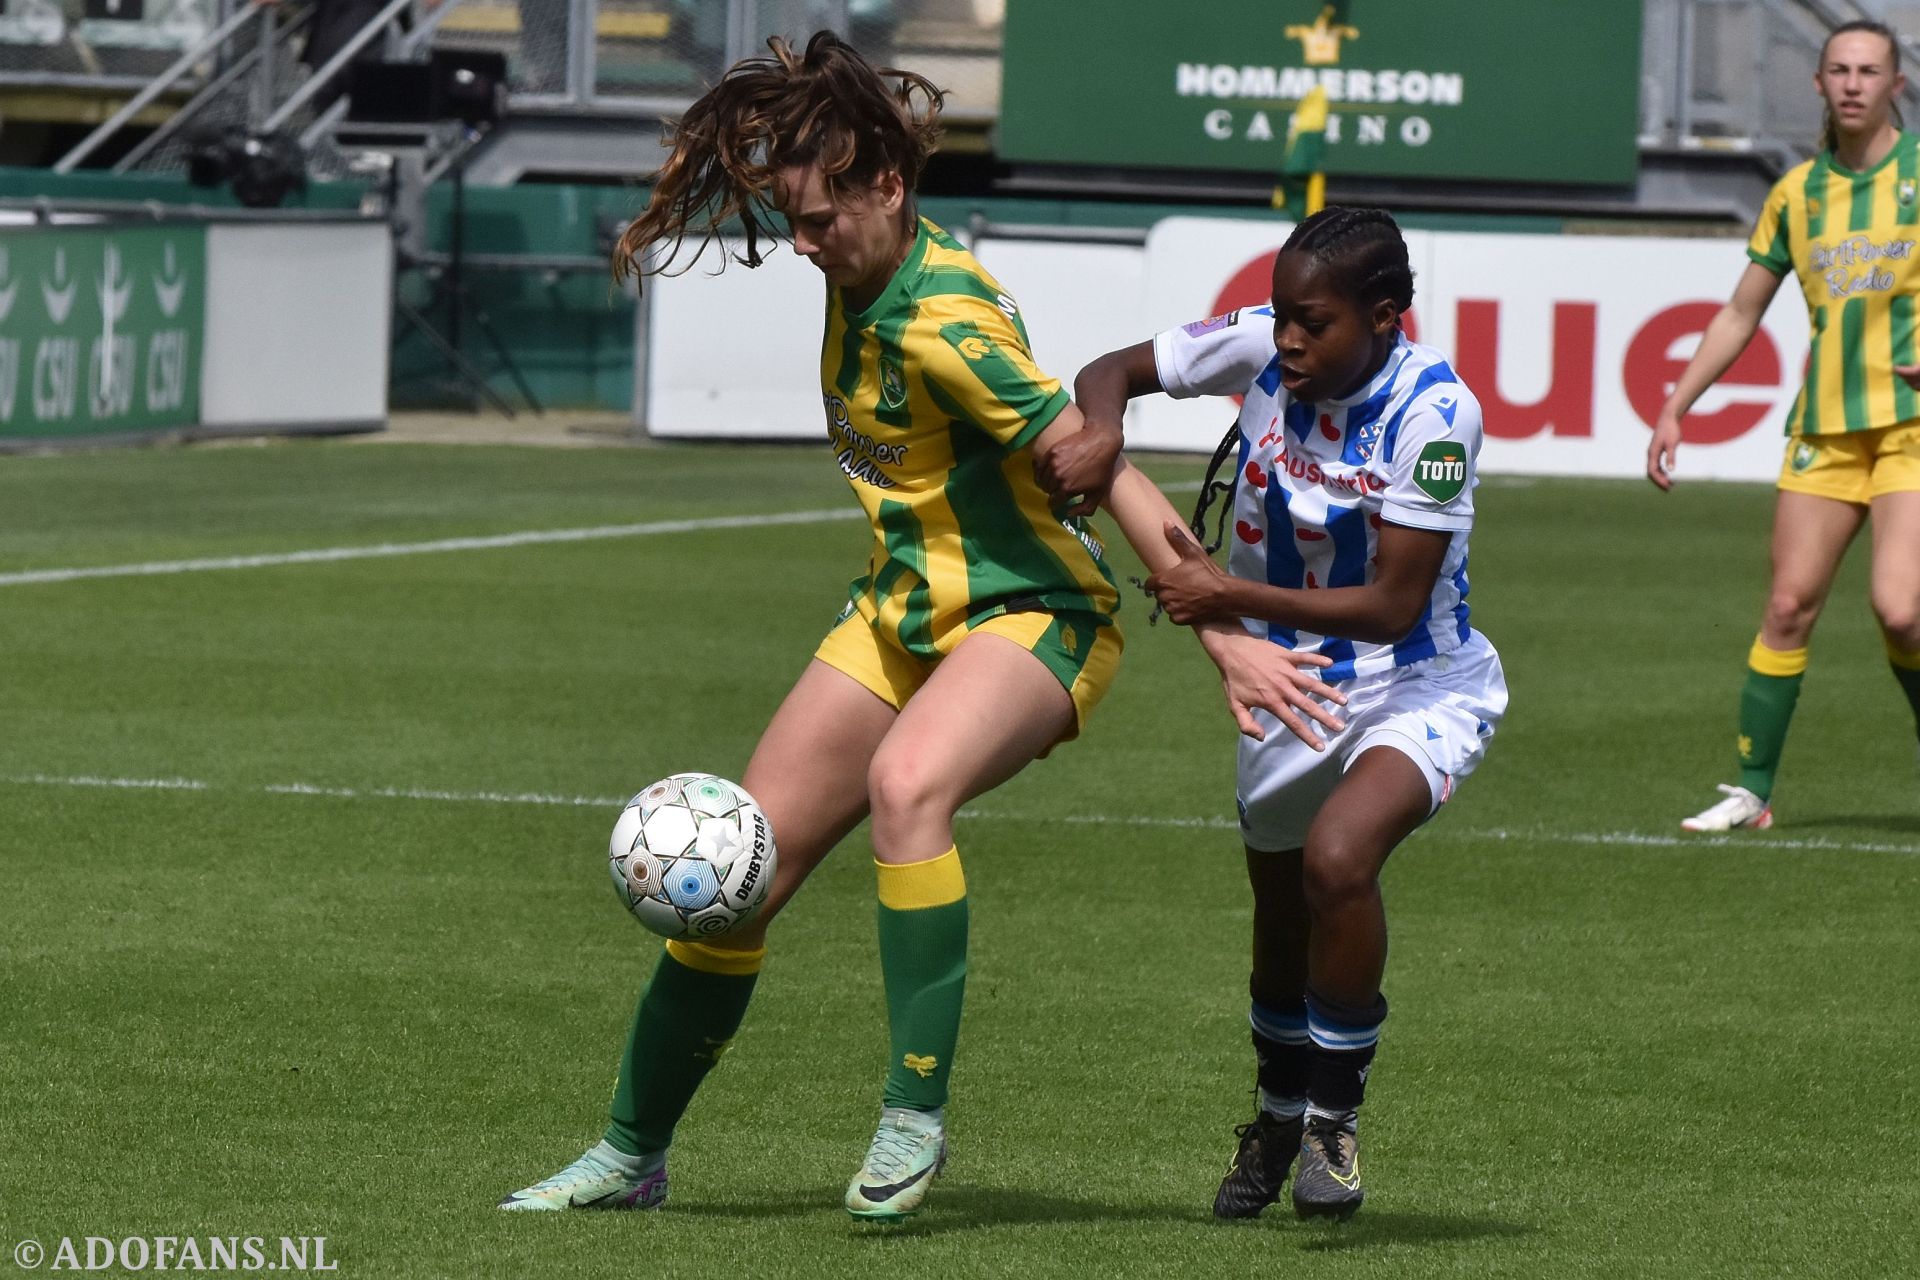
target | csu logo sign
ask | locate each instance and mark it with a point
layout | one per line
(102, 331)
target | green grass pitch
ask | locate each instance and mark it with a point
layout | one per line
(355, 969)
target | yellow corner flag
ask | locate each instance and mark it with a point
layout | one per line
(1306, 158)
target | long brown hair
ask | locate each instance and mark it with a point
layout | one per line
(827, 105)
(1829, 130)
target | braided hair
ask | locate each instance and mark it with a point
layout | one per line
(1829, 128)
(1365, 247)
(825, 105)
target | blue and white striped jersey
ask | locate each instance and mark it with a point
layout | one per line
(1317, 481)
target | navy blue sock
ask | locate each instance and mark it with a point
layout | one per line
(1344, 1039)
(1282, 1045)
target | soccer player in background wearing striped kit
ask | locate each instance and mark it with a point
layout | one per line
(1352, 502)
(1846, 222)
(981, 635)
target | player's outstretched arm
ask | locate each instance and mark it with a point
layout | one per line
(1726, 337)
(1253, 672)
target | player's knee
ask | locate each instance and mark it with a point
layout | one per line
(1790, 618)
(903, 786)
(1337, 870)
(1900, 619)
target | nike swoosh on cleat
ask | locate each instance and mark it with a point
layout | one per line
(575, 1202)
(1352, 1180)
(892, 1189)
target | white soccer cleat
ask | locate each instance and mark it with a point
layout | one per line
(603, 1178)
(908, 1152)
(1740, 811)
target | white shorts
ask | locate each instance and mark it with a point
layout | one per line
(1439, 713)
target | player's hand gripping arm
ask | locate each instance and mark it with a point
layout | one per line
(1193, 591)
(1079, 469)
(1726, 337)
(1253, 672)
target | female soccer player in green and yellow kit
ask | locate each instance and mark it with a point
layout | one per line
(1846, 222)
(981, 634)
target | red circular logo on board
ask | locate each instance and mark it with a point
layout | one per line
(1250, 286)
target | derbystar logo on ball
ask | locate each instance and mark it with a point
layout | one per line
(692, 856)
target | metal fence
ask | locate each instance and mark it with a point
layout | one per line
(97, 43)
(616, 56)
(1737, 75)
(622, 55)
(623, 58)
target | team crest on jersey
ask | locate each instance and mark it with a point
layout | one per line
(1906, 192)
(1366, 440)
(893, 383)
(1441, 470)
(1813, 206)
(1802, 457)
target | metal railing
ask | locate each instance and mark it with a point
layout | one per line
(245, 72)
(186, 64)
(1737, 75)
(652, 57)
(58, 44)
(610, 58)
(213, 91)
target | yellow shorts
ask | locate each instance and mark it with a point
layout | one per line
(1857, 466)
(1083, 654)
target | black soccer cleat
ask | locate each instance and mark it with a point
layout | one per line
(1259, 1168)
(1328, 1182)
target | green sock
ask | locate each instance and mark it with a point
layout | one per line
(923, 957)
(1766, 709)
(685, 1021)
(1906, 669)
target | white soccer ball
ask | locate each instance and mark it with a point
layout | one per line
(692, 856)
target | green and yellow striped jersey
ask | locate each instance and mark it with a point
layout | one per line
(933, 401)
(1850, 238)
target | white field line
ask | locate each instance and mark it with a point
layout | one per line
(494, 542)
(456, 797)
(91, 780)
(1606, 839)
(328, 555)
(1641, 839)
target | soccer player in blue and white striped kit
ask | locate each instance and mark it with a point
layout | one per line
(1352, 503)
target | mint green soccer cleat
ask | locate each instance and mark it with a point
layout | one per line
(909, 1149)
(603, 1178)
